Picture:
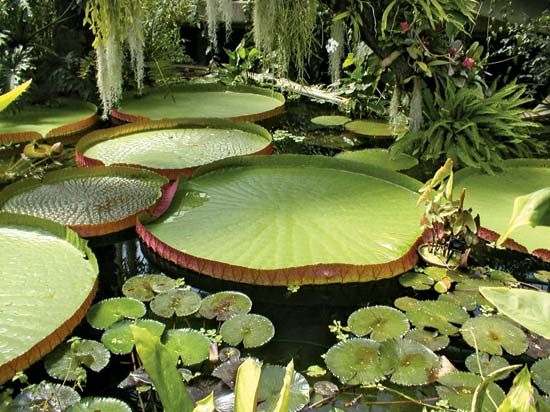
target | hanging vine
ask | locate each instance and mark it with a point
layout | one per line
(335, 48)
(216, 11)
(285, 30)
(112, 24)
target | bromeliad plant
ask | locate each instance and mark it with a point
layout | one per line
(453, 229)
(471, 127)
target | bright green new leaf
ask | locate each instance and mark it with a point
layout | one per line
(160, 363)
(206, 404)
(246, 387)
(7, 98)
(520, 397)
(529, 308)
(532, 209)
(284, 395)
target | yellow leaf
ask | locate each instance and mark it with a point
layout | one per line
(7, 98)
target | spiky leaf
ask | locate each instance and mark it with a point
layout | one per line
(439, 315)
(432, 340)
(96, 404)
(541, 374)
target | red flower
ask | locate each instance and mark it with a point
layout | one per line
(404, 25)
(453, 51)
(468, 63)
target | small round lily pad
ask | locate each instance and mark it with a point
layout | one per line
(415, 363)
(438, 315)
(189, 344)
(330, 121)
(406, 303)
(271, 383)
(144, 287)
(223, 305)
(357, 361)
(432, 340)
(371, 128)
(492, 334)
(119, 338)
(67, 360)
(464, 299)
(488, 364)
(97, 404)
(107, 312)
(251, 330)
(417, 281)
(540, 371)
(45, 397)
(380, 322)
(381, 158)
(179, 302)
(459, 387)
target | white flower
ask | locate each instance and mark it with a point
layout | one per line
(332, 46)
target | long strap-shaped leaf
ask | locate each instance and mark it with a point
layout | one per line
(479, 394)
(520, 397)
(160, 364)
(7, 98)
(284, 395)
(246, 386)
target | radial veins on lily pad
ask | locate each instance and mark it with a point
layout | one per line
(291, 220)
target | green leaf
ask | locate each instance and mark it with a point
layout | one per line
(489, 364)
(96, 404)
(532, 209)
(432, 340)
(541, 374)
(206, 405)
(224, 305)
(283, 401)
(109, 311)
(252, 330)
(119, 338)
(330, 121)
(520, 397)
(483, 388)
(45, 397)
(529, 308)
(7, 98)
(380, 322)
(246, 386)
(160, 363)
(272, 389)
(190, 345)
(415, 364)
(458, 389)
(66, 361)
(144, 287)
(179, 302)
(439, 315)
(380, 157)
(492, 334)
(370, 128)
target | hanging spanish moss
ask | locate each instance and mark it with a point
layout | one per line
(212, 22)
(335, 49)
(416, 121)
(285, 29)
(226, 10)
(113, 23)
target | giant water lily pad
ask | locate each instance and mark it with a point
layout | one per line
(241, 103)
(65, 120)
(47, 282)
(380, 157)
(371, 128)
(290, 219)
(492, 197)
(92, 201)
(172, 147)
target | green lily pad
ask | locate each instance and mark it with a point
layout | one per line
(459, 388)
(432, 340)
(371, 128)
(466, 300)
(439, 315)
(492, 334)
(202, 101)
(252, 330)
(271, 383)
(191, 346)
(92, 201)
(488, 363)
(107, 312)
(414, 363)
(540, 372)
(380, 322)
(45, 397)
(119, 338)
(223, 305)
(171, 146)
(417, 281)
(70, 117)
(96, 404)
(254, 201)
(381, 158)
(144, 287)
(406, 303)
(357, 361)
(330, 121)
(492, 196)
(179, 302)
(66, 361)
(48, 279)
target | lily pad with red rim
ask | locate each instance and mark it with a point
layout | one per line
(325, 220)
